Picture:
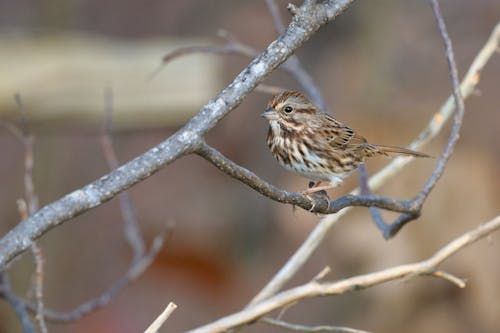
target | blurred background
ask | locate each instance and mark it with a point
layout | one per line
(381, 68)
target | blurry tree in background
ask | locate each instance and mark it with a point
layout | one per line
(86, 82)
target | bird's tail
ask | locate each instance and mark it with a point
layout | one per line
(383, 149)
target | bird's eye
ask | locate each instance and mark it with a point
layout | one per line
(288, 109)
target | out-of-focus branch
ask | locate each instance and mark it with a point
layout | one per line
(234, 46)
(134, 271)
(131, 226)
(314, 288)
(306, 21)
(160, 320)
(307, 248)
(27, 206)
(16, 303)
(141, 260)
(303, 328)
(390, 229)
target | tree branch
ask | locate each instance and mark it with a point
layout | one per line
(315, 288)
(135, 269)
(303, 328)
(160, 320)
(131, 226)
(16, 303)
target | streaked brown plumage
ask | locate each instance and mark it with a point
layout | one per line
(313, 144)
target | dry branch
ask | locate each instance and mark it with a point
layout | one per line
(315, 288)
(303, 328)
(160, 320)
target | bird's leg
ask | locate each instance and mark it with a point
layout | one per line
(317, 188)
(313, 190)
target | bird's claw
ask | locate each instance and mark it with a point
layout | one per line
(314, 196)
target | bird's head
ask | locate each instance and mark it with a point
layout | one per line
(291, 110)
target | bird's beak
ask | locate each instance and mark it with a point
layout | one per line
(270, 114)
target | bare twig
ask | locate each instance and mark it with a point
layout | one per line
(141, 260)
(275, 13)
(303, 328)
(134, 271)
(307, 248)
(314, 289)
(321, 275)
(439, 119)
(460, 283)
(388, 230)
(160, 320)
(16, 303)
(132, 231)
(29, 206)
(269, 89)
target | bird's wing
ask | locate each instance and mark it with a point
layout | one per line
(340, 136)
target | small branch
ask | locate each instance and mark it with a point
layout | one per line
(321, 275)
(365, 190)
(16, 303)
(29, 206)
(303, 328)
(160, 320)
(460, 109)
(134, 271)
(390, 229)
(132, 231)
(460, 283)
(275, 13)
(439, 119)
(315, 289)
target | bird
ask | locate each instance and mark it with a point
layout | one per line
(313, 144)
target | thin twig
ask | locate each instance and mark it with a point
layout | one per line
(160, 320)
(389, 230)
(321, 275)
(303, 328)
(275, 13)
(315, 289)
(16, 303)
(460, 283)
(134, 271)
(131, 225)
(30, 206)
